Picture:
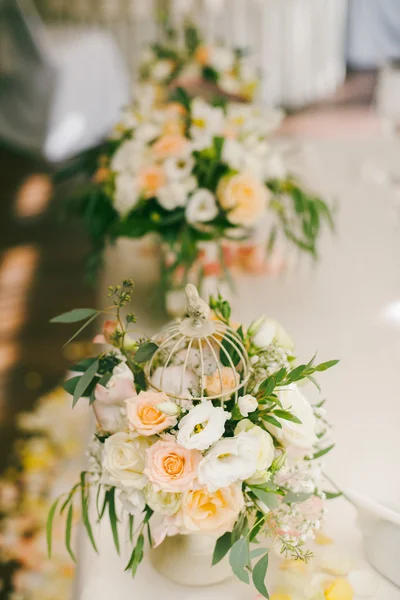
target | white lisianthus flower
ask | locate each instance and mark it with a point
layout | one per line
(229, 83)
(128, 158)
(207, 122)
(132, 501)
(266, 450)
(178, 167)
(202, 426)
(166, 503)
(146, 132)
(169, 380)
(270, 330)
(173, 195)
(110, 399)
(247, 404)
(296, 435)
(202, 207)
(124, 461)
(229, 460)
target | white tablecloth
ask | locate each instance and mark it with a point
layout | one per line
(338, 307)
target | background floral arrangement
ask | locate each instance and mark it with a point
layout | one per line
(227, 426)
(45, 463)
(185, 59)
(196, 174)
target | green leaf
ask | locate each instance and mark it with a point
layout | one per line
(74, 316)
(81, 328)
(85, 381)
(68, 532)
(287, 416)
(268, 385)
(296, 373)
(257, 552)
(83, 365)
(239, 558)
(268, 498)
(293, 498)
(131, 526)
(136, 556)
(227, 350)
(113, 517)
(69, 498)
(272, 420)
(222, 546)
(145, 352)
(326, 365)
(49, 525)
(333, 495)
(321, 453)
(259, 574)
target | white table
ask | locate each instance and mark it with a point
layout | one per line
(338, 308)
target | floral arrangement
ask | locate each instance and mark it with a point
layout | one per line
(195, 175)
(204, 429)
(226, 72)
(44, 463)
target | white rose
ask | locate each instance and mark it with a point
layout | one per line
(270, 330)
(166, 503)
(110, 399)
(132, 501)
(295, 434)
(202, 426)
(229, 460)
(128, 158)
(169, 380)
(222, 58)
(202, 207)
(178, 168)
(266, 450)
(126, 193)
(247, 404)
(162, 69)
(233, 154)
(173, 195)
(124, 461)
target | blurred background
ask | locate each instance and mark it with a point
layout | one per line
(67, 67)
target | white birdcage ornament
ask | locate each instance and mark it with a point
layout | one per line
(194, 350)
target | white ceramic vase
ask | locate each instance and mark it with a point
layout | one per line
(187, 560)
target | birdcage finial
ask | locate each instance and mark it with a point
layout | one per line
(197, 308)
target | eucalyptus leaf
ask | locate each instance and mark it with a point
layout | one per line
(287, 416)
(326, 365)
(292, 497)
(321, 452)
(222, 547)
(259, 575)
(74, 316)
(333, 495)
(145, 352)
(85, 381)
(239, 558)
(268, 498)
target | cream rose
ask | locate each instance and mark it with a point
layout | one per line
(123, 461)
(170, 467)
(244, 197)
(296, 435)
(216, 385)
(211, 513)
(202, 426)
(229, 460)
(170, 145)
(166, 503)
(132, 501)
(143, 415)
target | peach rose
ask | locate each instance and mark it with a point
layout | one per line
(171, 467)
(244, 197)
(202, 55)
(230, 379)
(144, 416)
(211, 513)
(170, 145)
(151, 179)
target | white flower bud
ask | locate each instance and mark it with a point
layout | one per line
(169, 408)
(247, 404)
